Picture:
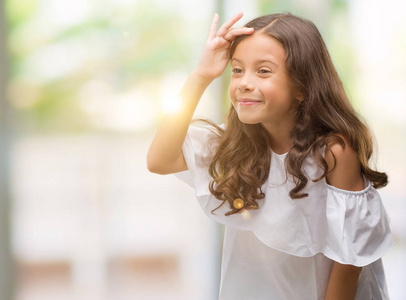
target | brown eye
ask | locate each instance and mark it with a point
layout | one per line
(264, 71)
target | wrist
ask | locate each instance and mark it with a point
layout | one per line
(194, 88)
(202, 78)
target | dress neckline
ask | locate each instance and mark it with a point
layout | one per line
(283, 155)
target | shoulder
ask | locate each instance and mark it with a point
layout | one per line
(204, 132)
(201, 142)
(344, 167)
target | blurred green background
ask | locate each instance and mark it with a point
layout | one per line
(85, 84)
(74, 65)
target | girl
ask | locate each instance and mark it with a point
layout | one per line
(288, 173)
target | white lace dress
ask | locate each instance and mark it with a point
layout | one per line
(285, 249)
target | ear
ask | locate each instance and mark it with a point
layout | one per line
(299, 96)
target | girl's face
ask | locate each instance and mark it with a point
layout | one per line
(260, 90)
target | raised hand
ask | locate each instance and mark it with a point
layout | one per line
(216, 56)
(165, 154)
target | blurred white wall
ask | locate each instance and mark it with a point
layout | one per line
(379, 30)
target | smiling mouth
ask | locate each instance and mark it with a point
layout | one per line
(248, 102)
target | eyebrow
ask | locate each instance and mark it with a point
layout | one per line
(259, 61)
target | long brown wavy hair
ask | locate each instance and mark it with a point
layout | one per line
(240, 165)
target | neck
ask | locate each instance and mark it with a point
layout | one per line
(280, 136)
(280, 143)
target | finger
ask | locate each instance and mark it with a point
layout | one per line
(227, 25)
(233, 33)
(213, 27)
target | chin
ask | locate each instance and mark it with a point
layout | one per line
(246, 117)
(247, 120)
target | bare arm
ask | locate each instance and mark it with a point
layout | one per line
(165, 153)
(343, 281)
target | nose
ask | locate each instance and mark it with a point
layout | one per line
(245, 83)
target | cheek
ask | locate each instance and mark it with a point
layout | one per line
(276, 89)
(231, 93)
(231, 90)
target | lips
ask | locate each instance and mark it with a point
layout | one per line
(248, 101)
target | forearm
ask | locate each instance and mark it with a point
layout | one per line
(343, 282)
(165, 153)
